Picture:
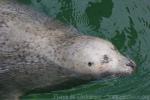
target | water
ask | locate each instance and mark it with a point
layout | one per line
(126, 23)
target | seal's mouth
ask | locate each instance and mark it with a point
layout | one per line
(131, 64)
(110, 74)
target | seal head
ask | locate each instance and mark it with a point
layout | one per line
(96, 57)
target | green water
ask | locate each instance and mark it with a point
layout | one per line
(126, 23)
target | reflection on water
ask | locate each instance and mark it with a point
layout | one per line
(126, 23)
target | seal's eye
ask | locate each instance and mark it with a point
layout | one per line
(90, 64)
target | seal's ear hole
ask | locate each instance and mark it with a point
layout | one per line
(90, 64)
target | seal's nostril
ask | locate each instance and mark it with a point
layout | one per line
(131, 64)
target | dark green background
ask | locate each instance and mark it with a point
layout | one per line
(126, 23)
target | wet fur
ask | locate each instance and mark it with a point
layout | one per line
(23, 67)
(33, 50)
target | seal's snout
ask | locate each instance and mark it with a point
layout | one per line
(131, 64)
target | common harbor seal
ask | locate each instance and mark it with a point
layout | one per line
(38, 52)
